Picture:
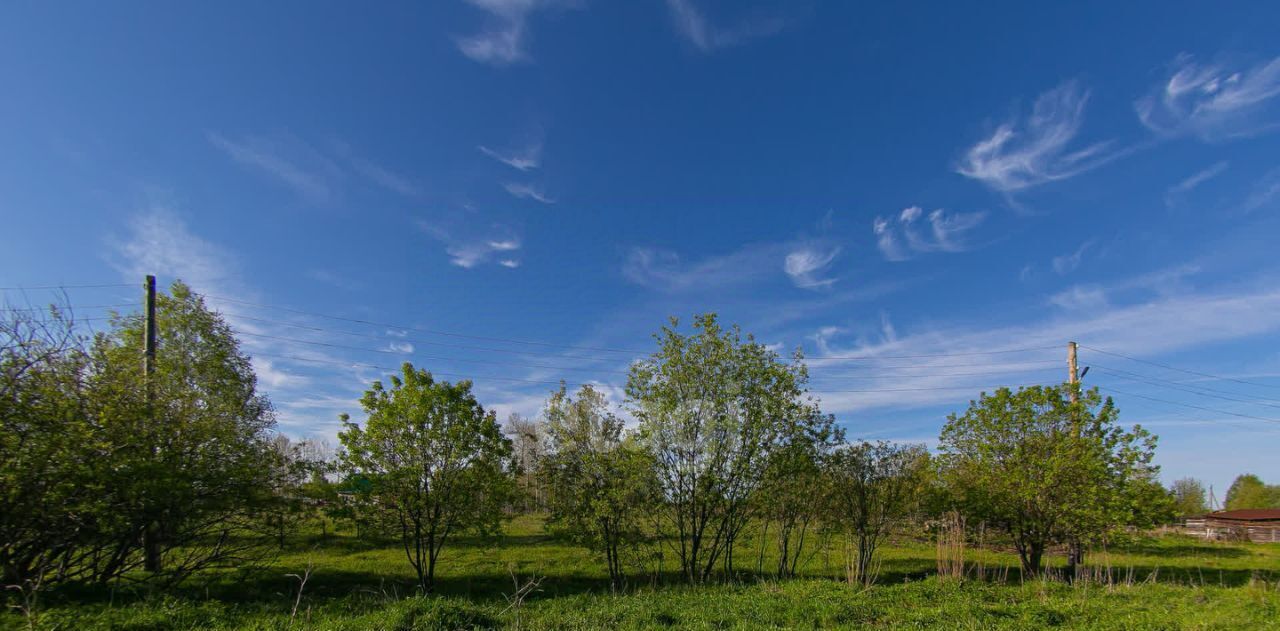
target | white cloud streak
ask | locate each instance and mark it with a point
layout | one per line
(665, 270)
(900, 238)
(806, 264)
(473, 251)
(1264, 191)
(1023, 153)
(1213, 102)
(1068, 263)
(1180, 189)
(523, 159)
(303, 169)
(693, 24)
(1164, 324)
(504, 39)
(527, 191)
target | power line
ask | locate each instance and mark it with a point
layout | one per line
(927, 355)
(536, 381)
(1167, 384)
(1188, 405)
(981, 388)
(434, 357)
(1190, 372)
(67, 286)
(433, 372)
(590, 348)
(70, 308)
(1011, 368)
(431, 331)
(545, 366)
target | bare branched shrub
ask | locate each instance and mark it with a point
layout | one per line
(950, 555)
(520, 591)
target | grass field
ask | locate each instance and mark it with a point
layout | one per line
(1170, 582)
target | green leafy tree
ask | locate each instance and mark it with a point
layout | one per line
(713, 408)
(110, 471)
(436, 463)
(1189, 497)
(791, 497)
(528, 445)
(48, 494)
(873, 487)
(190, 470)
(1249, 491)
(599, 484)
(1051, 471)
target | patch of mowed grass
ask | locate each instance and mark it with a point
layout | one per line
(1169, 582)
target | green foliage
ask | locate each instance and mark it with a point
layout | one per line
(436, 462)
(45, 438)
(191, 457)
(1049, 471)
(599, 485)
(1177, 583)
(713, 408)
(872, 488)
(107, 463)
(1248, 491)
(792, 495)
(1189, 497)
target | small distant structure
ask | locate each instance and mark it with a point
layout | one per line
(1259, 525)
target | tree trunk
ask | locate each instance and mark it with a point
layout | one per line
(151, 548)
(1075, 560)
(1031, 560)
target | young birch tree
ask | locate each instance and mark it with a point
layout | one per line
(713, 408)
(873, 486)
(436, 462)
(599, 483)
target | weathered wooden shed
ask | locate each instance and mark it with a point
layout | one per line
(1261, 525)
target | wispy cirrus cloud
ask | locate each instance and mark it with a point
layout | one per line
(302, 168)
(504, 39)
(692, 23)
(527, 191)
(158, 241)
(1264, 191)
(1041, 147)
(524, 158)
(314, 174)
(1177, 191)
(901, 238)
(1067, 263)
(806, 265)
(472, 250)
(1147, 327)
(1213, 102)
(665, 270)
(805, 262)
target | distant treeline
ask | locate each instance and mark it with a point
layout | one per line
(108, 473)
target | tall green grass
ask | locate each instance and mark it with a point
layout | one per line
(1170, 582)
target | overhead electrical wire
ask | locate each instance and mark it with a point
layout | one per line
(1132, 376)
(1188, 405)
(1158, 384)
(41, 287)
(1183, 370)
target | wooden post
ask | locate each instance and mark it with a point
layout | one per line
(1075, 549)
(1073, 371)
(150, 537)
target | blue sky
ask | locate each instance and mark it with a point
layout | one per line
(522, 191)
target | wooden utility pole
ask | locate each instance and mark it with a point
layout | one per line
(1073, 371)
(149, 348)
(1075, 549)
(151, 537)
